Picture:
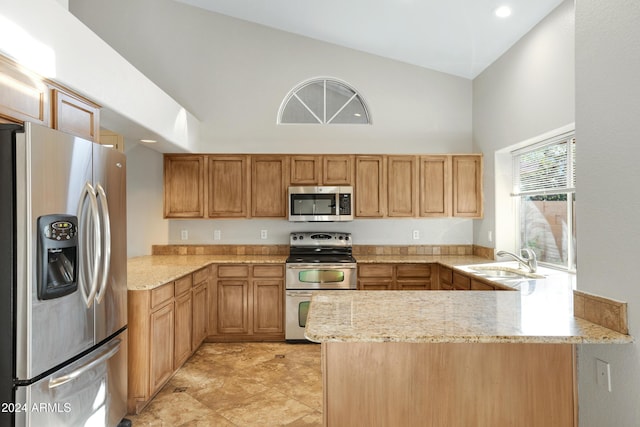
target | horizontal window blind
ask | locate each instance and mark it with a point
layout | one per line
(548, 167)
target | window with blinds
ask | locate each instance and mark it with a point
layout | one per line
(544, 189)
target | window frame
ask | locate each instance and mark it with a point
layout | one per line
(324, 120)
(568, 137)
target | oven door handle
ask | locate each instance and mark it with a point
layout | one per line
(320, 266)
(302, 294)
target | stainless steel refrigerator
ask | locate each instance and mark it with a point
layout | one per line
(63, 293)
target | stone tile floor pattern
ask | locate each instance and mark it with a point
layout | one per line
(241, 384)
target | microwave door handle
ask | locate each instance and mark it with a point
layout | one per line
(105, 244)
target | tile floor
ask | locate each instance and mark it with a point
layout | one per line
(241, 384)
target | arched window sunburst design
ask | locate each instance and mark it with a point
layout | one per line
(323, 101)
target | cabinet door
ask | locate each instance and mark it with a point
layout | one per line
(23, 96)
(183, 324)
(306, 170)
(76, 116)
(161, 348)
(445, 275)
(184, 186)
(413, 277)
(370, 187)
(467, 186)
(269, 186)
(228, 187)
(435, 186)
(200, 314)
(461, 281)
(401, 186)
(268, 306)
(233, 306)
(375, 277)
(111, 139)
(477, 285)
(337, 170)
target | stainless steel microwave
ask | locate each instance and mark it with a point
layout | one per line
(320, 204)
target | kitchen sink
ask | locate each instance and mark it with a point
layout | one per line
(492, 271)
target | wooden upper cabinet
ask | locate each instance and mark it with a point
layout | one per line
(370, 187)
(401, 186)
(269, 182)
(467, 186)
(337, 170)
(23, 95)
(435, 186)
(306, 170)
(111, 139)
(75, 115)
(184, 179)
(321, 170)
(228, 186)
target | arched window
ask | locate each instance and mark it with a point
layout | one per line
(323, 101)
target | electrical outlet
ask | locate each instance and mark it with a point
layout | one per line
(416, 234)
(491, 236)
(263, 234)
(603, 374)
(184, 234)
(217, 234)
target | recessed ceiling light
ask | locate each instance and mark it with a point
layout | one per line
(503, 11)
(149, 141)
(357, 114)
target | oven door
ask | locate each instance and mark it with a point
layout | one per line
(321, 276)
(297, 308)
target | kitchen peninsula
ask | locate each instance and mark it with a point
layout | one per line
(451, 358)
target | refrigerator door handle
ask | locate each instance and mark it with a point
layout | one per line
(106, 241)
(110, 350)
(90, 245)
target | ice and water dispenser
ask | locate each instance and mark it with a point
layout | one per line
(57, 255)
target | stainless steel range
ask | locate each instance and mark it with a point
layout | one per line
(317, 261)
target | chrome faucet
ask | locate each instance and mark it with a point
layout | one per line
(527, 260)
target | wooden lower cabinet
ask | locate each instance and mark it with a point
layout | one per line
(183, 325)
(387, 277)
(246, 302)
(166, 326)
(200, 307)
(161, 355)
(449, 384)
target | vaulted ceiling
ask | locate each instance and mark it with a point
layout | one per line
(460, 37)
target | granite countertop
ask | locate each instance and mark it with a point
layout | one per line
(541, 315)
(148, 272)
(151, 271)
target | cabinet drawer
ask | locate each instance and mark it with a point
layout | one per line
(375, 270)
(201, 275)
(183, 284)
(233, 271)
(419, 271)
(268, 271)
(160, 295)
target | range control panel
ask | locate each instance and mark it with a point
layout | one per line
(326, 239)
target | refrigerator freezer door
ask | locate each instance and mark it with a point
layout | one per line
(51, 171)
(89, 392)
(109, 175)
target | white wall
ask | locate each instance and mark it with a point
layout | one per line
(145, 225)
(608, 197)
(233, 75)
(527, 92)
(43, 36)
